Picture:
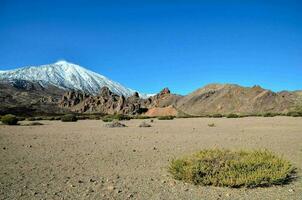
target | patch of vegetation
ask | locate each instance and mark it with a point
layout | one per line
(270, 114)
(165, 118)
(141, 117)
(232, 115)
(211, 125)
(232, 168)
(217, 115)
(118, 117)
(9, 119)
(294, 114)
(69, 118)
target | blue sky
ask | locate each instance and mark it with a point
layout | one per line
(148, 45)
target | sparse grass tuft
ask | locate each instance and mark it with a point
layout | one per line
(9, 119)
(232, 115)
(119, 117)
(294, 114)
(165, 118)
(270, 114)
(69, 118)
(232, 168)
(217, 115)
(141, 117)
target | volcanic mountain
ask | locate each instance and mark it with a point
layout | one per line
(67, 76)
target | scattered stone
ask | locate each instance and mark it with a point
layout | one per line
(115, 124)
(291, 190)
(92, 180)
(90, 190)
(110, 188)
(151, 120)
(186, 189)
(154, 148)
(130, 196)
(134, 150)
(144, 125)
(227, 194)
(4, 148)
(80, 181)
(33, 124)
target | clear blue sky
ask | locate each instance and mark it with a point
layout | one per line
(148, 45)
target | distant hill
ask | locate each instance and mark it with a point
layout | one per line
(230, 98)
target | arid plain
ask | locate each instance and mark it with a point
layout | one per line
(86, 160)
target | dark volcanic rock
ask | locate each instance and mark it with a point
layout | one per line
(106, 102)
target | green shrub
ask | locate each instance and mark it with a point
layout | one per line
(165, 118)
(119, 117)
(269, 114)
(294, 114)
(9, 119)
(232, 168)
(69, 118)
(232, 115)
(217, 115)
(141, 117)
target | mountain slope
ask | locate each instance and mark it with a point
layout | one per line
(230, 98)
(66, 76)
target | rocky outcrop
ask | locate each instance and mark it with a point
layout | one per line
(106, 102)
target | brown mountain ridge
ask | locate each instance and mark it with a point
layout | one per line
(29, 97)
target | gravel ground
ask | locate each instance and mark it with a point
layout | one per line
(86, 160)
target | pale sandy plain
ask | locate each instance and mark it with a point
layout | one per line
(85, 160)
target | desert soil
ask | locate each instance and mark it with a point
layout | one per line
(86, 160)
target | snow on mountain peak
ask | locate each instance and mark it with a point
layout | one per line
(67, 76)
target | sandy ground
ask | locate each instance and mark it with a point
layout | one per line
(85, 160)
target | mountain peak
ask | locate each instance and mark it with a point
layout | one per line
(67, 76)
(62, 62)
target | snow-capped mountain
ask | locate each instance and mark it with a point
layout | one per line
(66, 75)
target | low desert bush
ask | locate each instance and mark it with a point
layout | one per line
(269, 114)
(211, 125)
(141, 117)
(165, 118)
(119, 117)
(232, 168)
(294, 114)
(232, 115)
(9, 119)
(69, 118)
(217, 115)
